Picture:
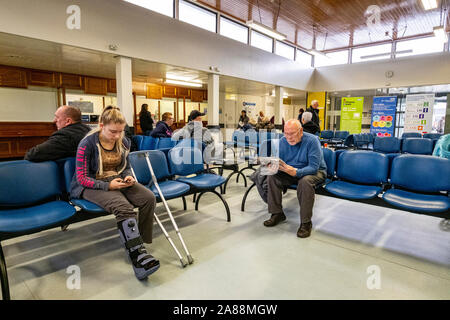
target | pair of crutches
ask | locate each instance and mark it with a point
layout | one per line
(166, 234)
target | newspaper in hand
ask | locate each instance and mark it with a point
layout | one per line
(269, 165)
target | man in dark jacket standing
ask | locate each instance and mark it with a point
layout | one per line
(307, 123)
(314, 109)
(63, 142)
(163, 128)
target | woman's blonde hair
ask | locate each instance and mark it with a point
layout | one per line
(110, 115)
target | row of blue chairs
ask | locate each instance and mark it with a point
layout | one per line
(34, 196)
(333, 137)
(417, 183)
(150, 143)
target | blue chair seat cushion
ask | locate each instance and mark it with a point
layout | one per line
(352, 191)
(36, 217)
(170, 189)
(87, 206)
(204, 181)
(416, 201)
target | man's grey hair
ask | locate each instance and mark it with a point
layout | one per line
(306, 117)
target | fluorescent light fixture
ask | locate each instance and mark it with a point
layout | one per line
(440, 34)
(184, 83)
(181, 78)
(429, 4)
(266, 30)
(316, 53)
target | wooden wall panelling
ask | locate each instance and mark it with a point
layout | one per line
(183, 92)
(13, 77)
(112, 86)
(154, 91)
(70, 81)
(169, 92)
(16, 138)
(95, 86)
(140, 88)
(197, 95)
(41, 78)
(205, 95)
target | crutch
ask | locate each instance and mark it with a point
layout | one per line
(189, 257)
(183, 263)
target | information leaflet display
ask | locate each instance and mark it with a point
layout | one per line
(383, 116)
(351, 114)
(419, 113)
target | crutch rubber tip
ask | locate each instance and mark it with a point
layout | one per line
(190, 260)
(183, 264)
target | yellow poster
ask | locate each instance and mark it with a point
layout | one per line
(321, 97)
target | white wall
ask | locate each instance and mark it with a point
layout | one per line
(147, 35)
(408, 71)
(33, 104)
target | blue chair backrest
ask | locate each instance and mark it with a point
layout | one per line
(341, 134)
(165, 143)
(387, 144)
(433, 136)
(330, 159)
(421, 173)
(190, 143)
(185, 161)
(138, 139)
(364, 167)
(251, 136)
(418, 146)
(26, 183)
(69, 171)
(406, 135)
(238, 136)
(148, 143)
(327, 134)
(269, 148)
(349, 141)
(157, 160)
(140, 168)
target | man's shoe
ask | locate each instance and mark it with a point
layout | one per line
(275, 219)
(305, 230)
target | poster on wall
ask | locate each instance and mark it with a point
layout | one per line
(351, 114)
(383, 116)
(419, 113)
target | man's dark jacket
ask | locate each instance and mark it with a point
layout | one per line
(315, 115)
(61, 144)
(162, 130)
(311, 127)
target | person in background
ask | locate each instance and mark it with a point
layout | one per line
(307, 123)
(243, 119)
(300, 113)
(146, 121)
(103, 176)
(62, 143)
(194, 129)
(314, 109)
(163, 128)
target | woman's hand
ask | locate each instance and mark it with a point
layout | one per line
(129, 180)
(117, 184)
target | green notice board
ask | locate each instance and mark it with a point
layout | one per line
(351, 114)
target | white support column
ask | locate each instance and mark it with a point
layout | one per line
(213, 100)
(278, 105)
(125, 88)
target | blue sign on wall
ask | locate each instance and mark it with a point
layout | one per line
(383, 116)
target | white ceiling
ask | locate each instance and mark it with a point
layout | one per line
(38, 54)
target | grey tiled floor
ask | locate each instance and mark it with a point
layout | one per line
(243, 259)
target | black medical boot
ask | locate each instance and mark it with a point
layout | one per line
(144, 264)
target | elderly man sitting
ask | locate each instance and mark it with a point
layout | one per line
(303, 164)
